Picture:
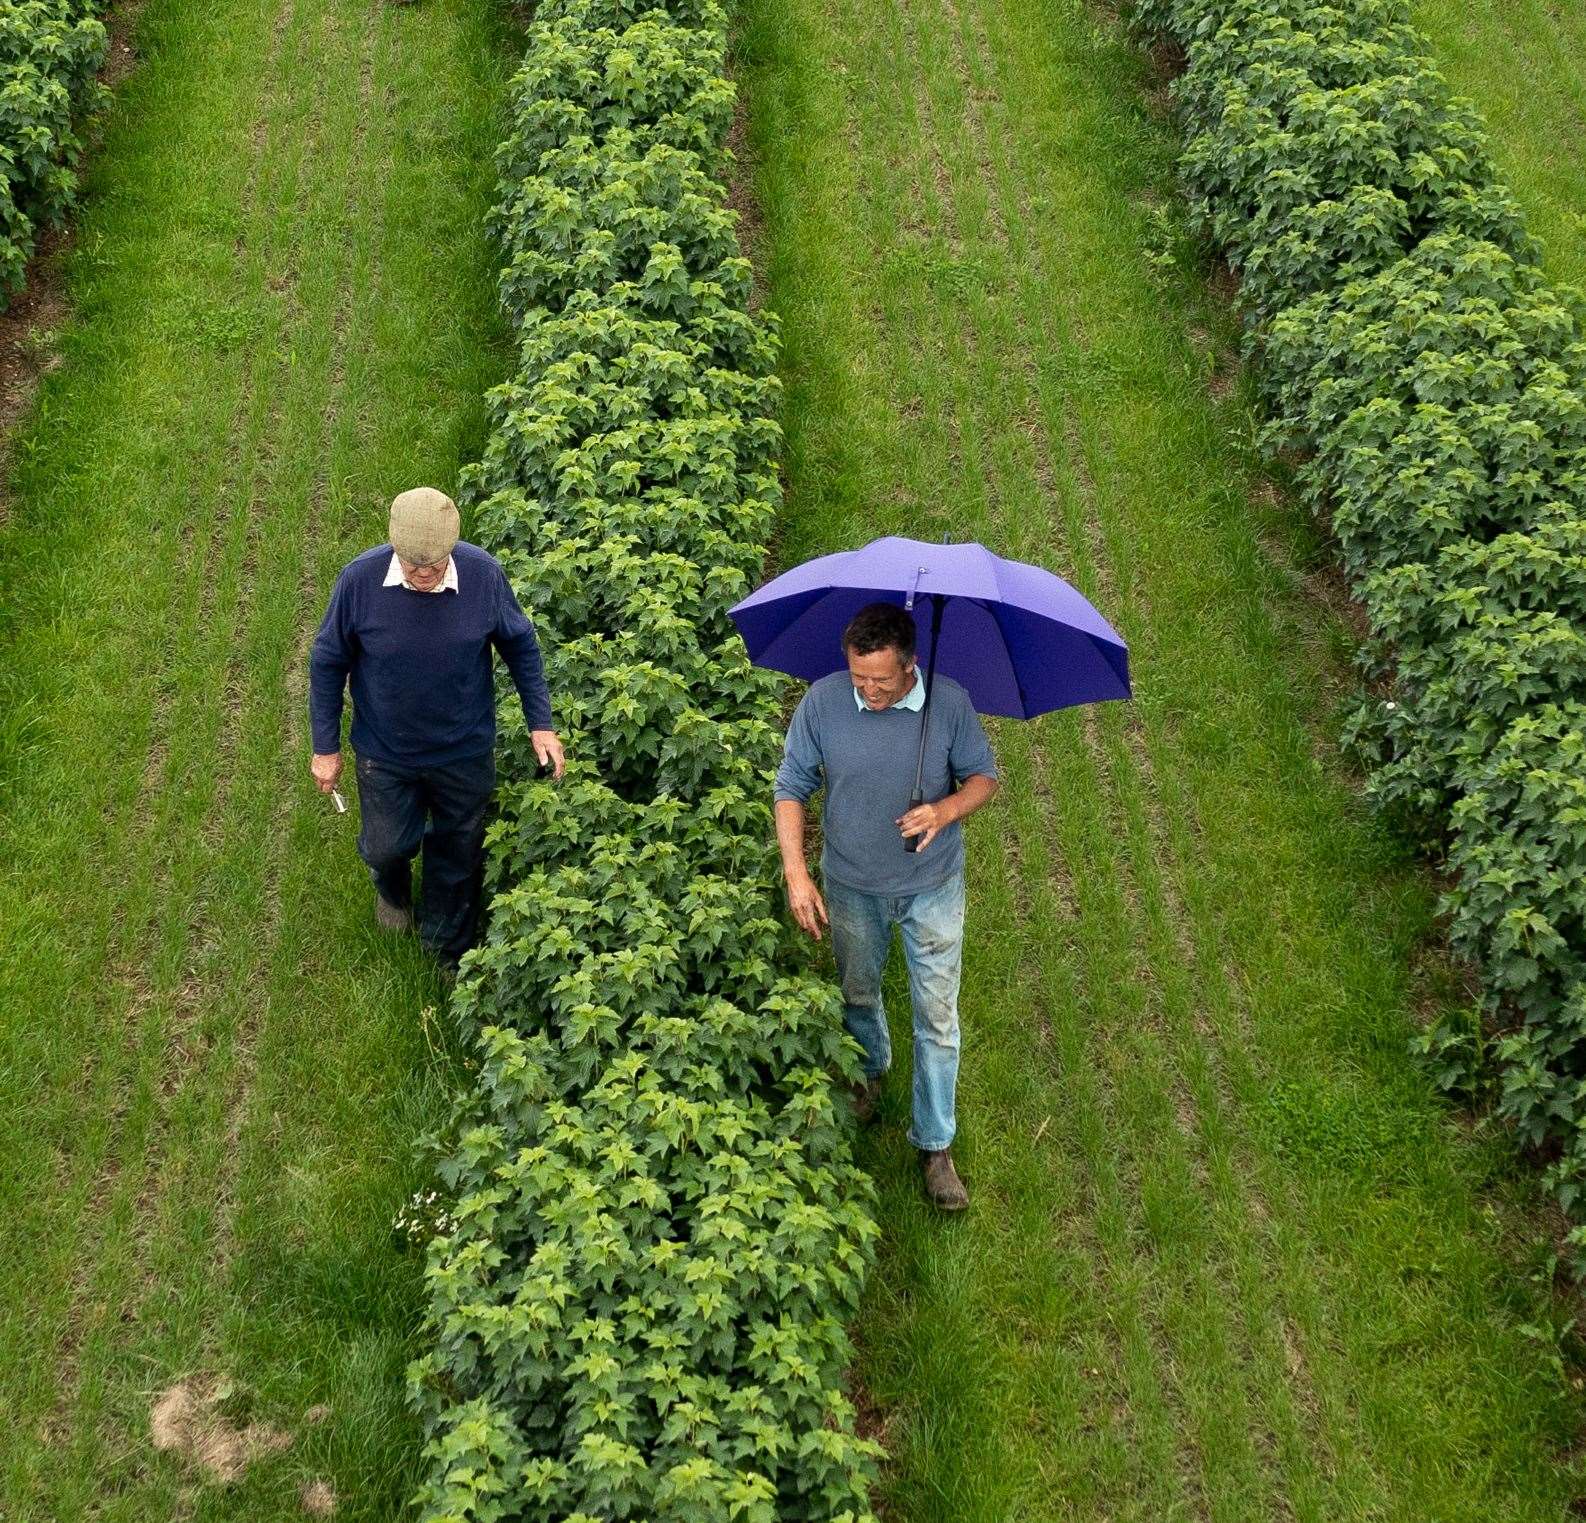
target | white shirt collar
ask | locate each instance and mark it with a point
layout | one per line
(914, 699)
(394, 577)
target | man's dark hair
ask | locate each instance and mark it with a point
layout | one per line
(881, 626)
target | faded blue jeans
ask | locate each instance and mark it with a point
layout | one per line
(933, 944)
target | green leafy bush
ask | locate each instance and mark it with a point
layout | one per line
(652, 1230)
(50, 53)
(1434, 383)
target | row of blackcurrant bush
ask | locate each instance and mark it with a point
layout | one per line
(653, 1230)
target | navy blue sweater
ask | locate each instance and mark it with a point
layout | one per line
(419, 662)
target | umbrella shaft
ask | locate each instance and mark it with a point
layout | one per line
(938, 602)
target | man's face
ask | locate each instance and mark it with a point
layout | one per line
(425, 578)
(882, 677)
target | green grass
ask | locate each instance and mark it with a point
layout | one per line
(212, 1071)
(1227, 1258)
(1523, 64)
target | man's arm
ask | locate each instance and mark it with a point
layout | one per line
(514, 638)
(330, 660)
(804, 899)
(796, 781)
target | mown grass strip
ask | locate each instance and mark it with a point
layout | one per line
(212, 1067)
(1226, 1258)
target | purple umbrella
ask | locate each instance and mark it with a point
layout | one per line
(1020, 640)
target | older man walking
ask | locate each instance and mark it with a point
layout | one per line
(410, 628)
(858, 731)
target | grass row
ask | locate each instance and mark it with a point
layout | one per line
(211, 1070)
(1228, 1259)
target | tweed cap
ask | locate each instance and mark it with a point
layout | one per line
(424, 526)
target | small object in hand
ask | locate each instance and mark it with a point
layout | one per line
(338, 801)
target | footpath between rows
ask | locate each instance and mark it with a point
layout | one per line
(282, 310)
(1227, 1259)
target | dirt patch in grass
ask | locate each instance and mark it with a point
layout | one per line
(189, 1420)
(742, 201)
(120, 57)
(28, 328)
(871, 1421)
(1167, 59)
(317, 1498)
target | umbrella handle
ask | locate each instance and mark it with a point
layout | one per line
(912, 843)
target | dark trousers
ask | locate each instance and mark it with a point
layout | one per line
(393, 804)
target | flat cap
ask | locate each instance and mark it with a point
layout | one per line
(424, 526)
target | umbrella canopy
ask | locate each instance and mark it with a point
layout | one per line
(1019, 639)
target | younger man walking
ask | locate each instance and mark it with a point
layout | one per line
(858, 733)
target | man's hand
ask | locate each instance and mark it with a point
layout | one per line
(926, 821)
(548, 751)
(809, 909)
(326, 769)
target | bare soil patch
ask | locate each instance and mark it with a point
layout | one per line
(28, 328)
(742, 201)
(189, 1420)
(317, 1498)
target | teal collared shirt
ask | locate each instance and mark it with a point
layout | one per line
(913, 700)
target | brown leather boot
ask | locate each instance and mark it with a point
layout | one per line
(942, 1184)
(391, 917)
(866, 1096)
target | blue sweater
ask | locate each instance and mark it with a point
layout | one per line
(419, 662)
(867, 761)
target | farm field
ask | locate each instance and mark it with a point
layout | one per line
(1524, 67)
(213, 1074)
(1226, 1260)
